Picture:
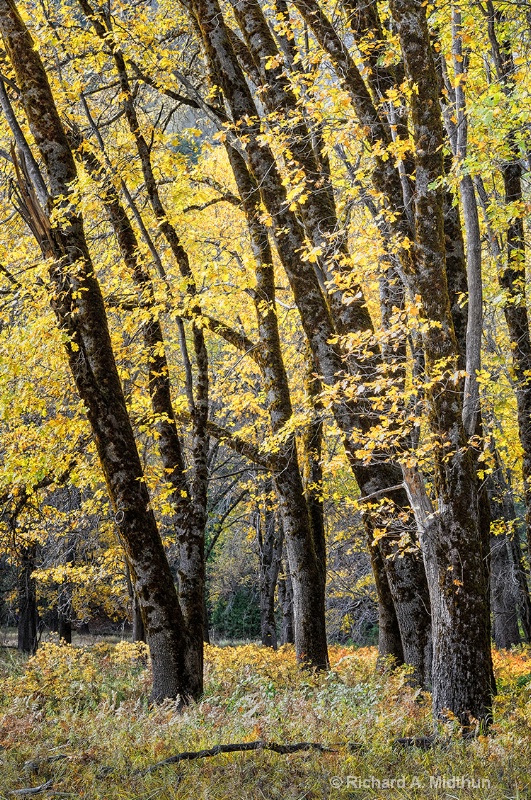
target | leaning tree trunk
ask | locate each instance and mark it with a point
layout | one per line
(312, 304)
(189, 505)
(189, 501)
(404, 584)
(80, 313)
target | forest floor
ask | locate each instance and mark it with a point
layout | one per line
(75, 721)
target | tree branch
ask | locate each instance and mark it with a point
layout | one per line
(241, 747)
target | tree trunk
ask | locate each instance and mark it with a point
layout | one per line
(80, 312)
(285, 597)
(270, 542)
(311, 302)
(139, 633)
(471, 410)
(523, 599)
(503, 582)
(64, 627)
(27, 600)
(503, 590)
(389, 636)
(452, 539)
(306, 562)
(189, 498)
(504, 497)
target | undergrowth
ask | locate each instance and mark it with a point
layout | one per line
(79, 717)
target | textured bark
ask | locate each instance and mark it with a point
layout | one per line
(502, 504)
(138, 632)
(512, 274)
(315, 313)
(452, 540)
(471, 410)
(389, 638)
(305, 560)
(386, 177)
(270, 542)
(27, 600)
(368, 31)
(503, 588)
(503, 579)
(523, 598)
(191, 509)
(366, 26)
(22, 145)
(317, 210)
(312, 465)
(290, 238)
(80, 312)
(285, 597)
(405, 574)
(456, 273)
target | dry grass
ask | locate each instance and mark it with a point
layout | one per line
(88, 704)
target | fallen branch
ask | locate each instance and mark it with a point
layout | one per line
(35, 790)
(241, 747)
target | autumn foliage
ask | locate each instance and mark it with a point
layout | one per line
(88, 706)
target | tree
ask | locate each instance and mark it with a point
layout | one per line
(80, 312)
(452, 542)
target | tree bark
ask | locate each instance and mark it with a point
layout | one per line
(452, 539)
(138, 632)
(467, 194)
(313, 307)
(512, 274)
(503, 589)
(503, 581)
(27, 600)
(305, 560)
(270, 542)
(385, 176)
(389, 635)
(285, 596)
(317, 206)
(189, 509)
(80, 312)
(190, 537)
(503, 507)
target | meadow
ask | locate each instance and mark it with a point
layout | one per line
(75, 722)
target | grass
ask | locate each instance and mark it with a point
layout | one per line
(89, 705)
